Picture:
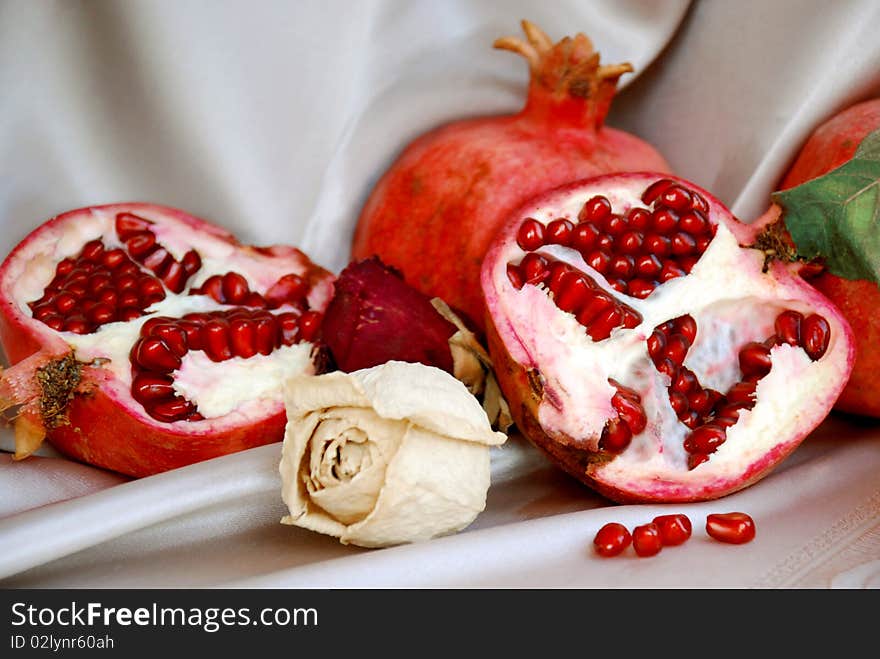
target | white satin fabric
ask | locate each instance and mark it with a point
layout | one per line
(273, 119)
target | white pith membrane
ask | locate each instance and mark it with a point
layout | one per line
(732, 302)
(243, 389)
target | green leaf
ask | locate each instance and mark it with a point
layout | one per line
(836, 217)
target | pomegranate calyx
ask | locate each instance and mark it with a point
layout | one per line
(569, 71)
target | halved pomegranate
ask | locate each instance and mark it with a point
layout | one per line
(645, 350)
(146, 339)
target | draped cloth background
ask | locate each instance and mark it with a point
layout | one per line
(274, 119)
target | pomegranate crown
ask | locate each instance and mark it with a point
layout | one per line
(568, 70)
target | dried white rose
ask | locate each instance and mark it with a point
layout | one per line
(386, 455)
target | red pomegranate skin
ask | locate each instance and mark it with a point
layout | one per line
(831, 145)
(103, 430)
(433, 214)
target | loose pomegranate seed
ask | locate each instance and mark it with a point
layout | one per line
(646, 540)
(734, 528)
(530, 235)
(612, 539)
(674, 529)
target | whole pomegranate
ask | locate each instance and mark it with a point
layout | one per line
(434, 212)
(146, 339)
(645, 350)
(831, 145)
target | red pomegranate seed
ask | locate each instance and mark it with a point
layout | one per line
(693, 223)
(612, 539)
(705, 439)
(703, 243)
(595, 209)
(683, 244)
(266, 335)
(677, 347)
(148, 387)
(129, 313)
(664, 221)
(696, 459)
(289, 288)
(65, 302)
(616, 436)
(692, 419)
(646, 540)
(101, 314)
(153, 354)
(754, 359)
(559, 232)
(701, 401)
(640, 288)
(141, 244)
(213, 287)
(631, 317)
(630, 411)
(630, 242)
(602, 325)
(598, 261)
(515, 276)
(235, 288)
(173, 336)
(584, 237)
(653, 191)
(596, 305)
(656, 345)
(621, 266)
(676, 198)
(310, 325)
(574, 293)
(815, 336)
(169, 411)
(788, 327)
(648, 265)
(530, 235)
(638, 218)
(679, 403)
(618, 285)
(657, 245)
(173, 276)
(687, 327)
(157, 260)
(128, 224)
(191, 263)
(685, 381)
(534, 268)
(614, 225)
(242, 337)
(605, 242)
(92, 251)
(687, 263)
(742, 394)
(65, 266)
(670, 271)
(734, 528)
(674, 529)
(215, 339)
(699, 203)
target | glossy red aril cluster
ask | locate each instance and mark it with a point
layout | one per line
(221, 335)
(636, 250)
(97, 287)
(708, 413)
(646, 539)
(575, 292)
(111, 317)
